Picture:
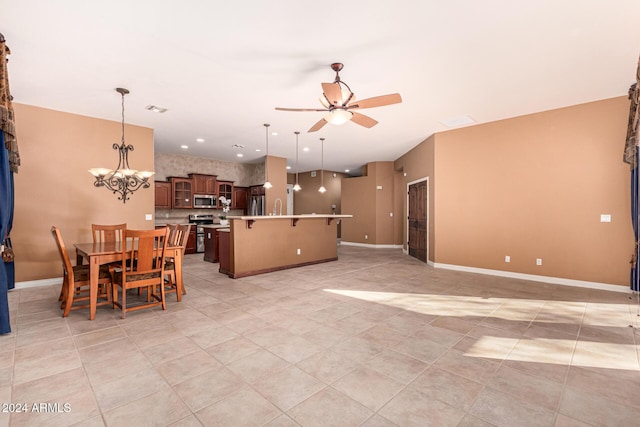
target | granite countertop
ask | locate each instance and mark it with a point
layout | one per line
(215, 226)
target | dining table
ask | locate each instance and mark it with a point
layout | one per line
(100, 253)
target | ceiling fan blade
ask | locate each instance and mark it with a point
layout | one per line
(318, 125)
(333, 93)
(301, 109)
(377, 101)
(363, 120)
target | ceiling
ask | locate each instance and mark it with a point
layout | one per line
(220, 68)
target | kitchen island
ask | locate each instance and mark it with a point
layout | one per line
(261, 244)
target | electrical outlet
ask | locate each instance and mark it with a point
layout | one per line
(298, 251)
(366, 236)
(538, 261)
(148, 217)
(390, 213)
(507, 258)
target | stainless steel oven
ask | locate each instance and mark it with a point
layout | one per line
(200, 220)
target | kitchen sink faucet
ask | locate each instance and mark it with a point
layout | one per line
(276, 204)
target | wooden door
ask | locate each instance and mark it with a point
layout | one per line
(417, 230)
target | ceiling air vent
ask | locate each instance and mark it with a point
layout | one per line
(155, 109)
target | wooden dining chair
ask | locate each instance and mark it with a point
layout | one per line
(178, 236)
(146, 250)
(75, 281)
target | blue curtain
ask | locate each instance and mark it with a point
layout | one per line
(6, 212)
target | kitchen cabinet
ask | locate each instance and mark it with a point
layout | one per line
(257, 190)
(182, 190)
(240, 197)
(211, 238)
(225, 188)
(224, 252)
(204, 184)
(163, 194)
(191, 242)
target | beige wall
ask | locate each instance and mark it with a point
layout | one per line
(53, 186)
(310, 200)
(532, 187)
(277, 169)
(415, 165)
(371, 206)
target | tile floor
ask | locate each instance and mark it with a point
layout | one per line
(374, 339)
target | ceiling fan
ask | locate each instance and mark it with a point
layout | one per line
(338, 101)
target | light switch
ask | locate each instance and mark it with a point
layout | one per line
(605, 218)
(148, 217)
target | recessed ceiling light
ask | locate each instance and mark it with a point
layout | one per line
(184, 147)
(240, 155)
(199, 140)
(274, 133)
(155, 109)
(346, 170)
(257, 149)
(305, 149)
(288, 167)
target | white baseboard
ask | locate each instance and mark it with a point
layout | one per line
(36, 283)
(533, 277)
(367, 245)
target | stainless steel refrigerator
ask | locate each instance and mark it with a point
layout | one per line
(256, 206)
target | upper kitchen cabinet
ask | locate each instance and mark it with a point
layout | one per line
(163, 194)
(240, 197)
(257, 190)
(225, 188)
(182, 189)
(204, 184)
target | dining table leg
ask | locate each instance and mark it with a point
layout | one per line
(94, 273)
(178, 270)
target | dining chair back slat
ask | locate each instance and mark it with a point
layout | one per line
(108, 233)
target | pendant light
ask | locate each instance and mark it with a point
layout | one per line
(267, 184)
(297, 186)
(322, 189)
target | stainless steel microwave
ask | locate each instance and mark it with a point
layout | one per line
(201, 201)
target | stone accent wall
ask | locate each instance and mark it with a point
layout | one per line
(242, 174)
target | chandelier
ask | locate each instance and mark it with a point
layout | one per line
(123, 180)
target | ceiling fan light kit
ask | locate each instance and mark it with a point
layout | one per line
(338, 100)
(338, 116)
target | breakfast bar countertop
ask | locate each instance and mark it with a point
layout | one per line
(302, 216)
